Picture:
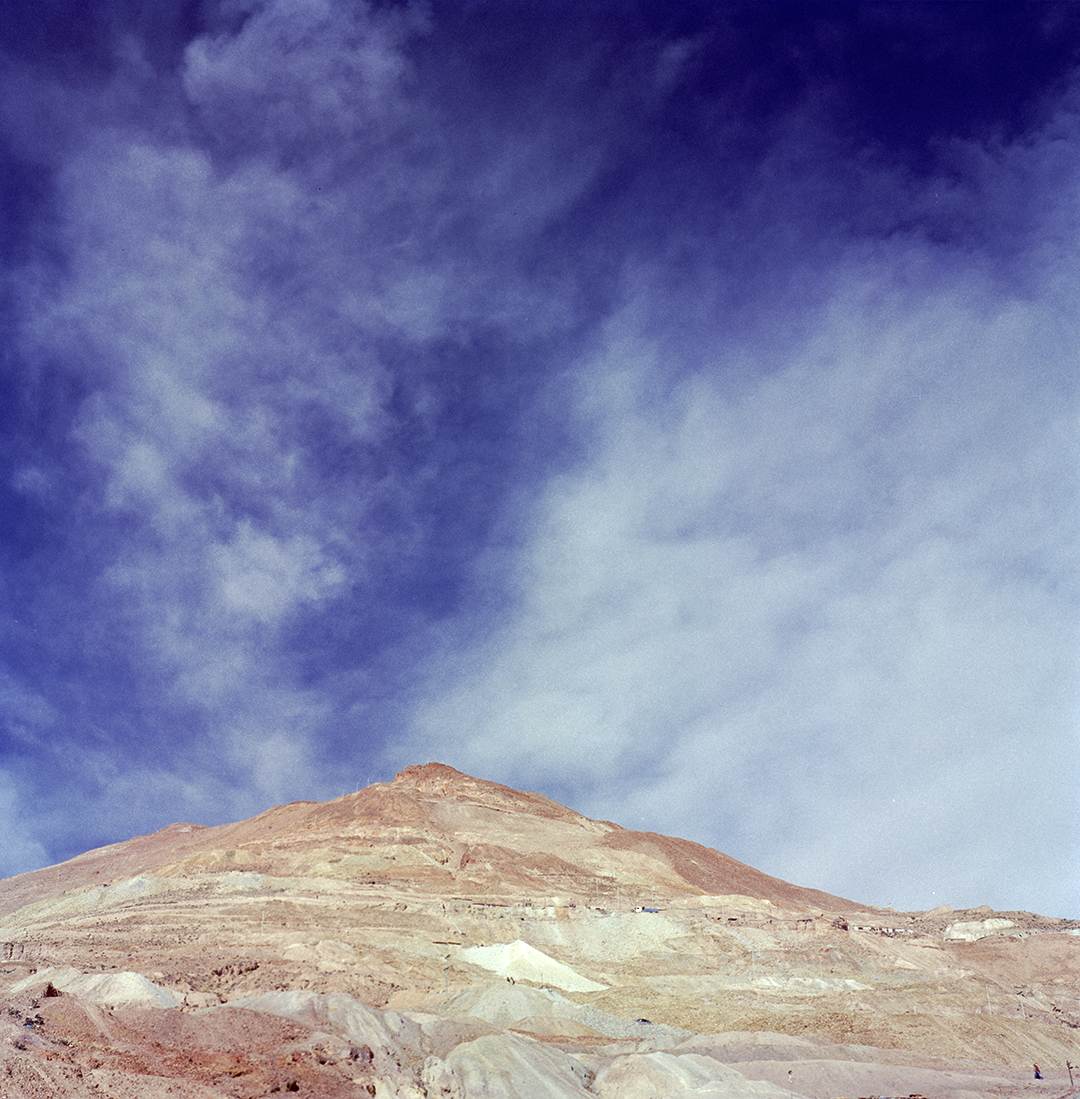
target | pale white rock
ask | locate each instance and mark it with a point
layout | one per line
(439, 1080)
(522, 962)
(679, 1076)
(510, 1066)
(505, 1004)
(968, 931)
(810, 985)
(124, 987)
(339, 1012)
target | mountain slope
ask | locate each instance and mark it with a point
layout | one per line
(440, 935)
(441, 829)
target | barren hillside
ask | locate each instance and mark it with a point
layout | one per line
(441, 935)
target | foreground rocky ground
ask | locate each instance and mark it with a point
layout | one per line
(443, 936)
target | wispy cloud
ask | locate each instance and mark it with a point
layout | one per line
(277, 302)
(817, 607)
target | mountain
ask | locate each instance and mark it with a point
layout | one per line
(438, 830)
(441, 935)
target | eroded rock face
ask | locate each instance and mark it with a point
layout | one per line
(444, 936)
(969, 931)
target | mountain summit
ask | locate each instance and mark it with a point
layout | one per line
(441, 935)
(435, 830)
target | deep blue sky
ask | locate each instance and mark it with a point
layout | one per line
(668, 407)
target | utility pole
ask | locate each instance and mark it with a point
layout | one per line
(1069, 1066)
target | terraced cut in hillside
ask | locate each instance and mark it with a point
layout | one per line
(444, 936)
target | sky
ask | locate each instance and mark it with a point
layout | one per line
(668, 407)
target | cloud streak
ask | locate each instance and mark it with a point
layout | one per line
(816, 606)
(744, 604)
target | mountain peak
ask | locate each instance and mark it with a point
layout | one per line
(439, 780)
(417, 774)
(437, 831)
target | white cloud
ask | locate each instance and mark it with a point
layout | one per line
(28, 717)
(202, 370)
(19, 849)
(264, 748)
(821, 610)
(263, 578)
(309, 75)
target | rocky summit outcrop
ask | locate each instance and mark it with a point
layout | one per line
(440, 935)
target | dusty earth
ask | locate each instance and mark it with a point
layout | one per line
(444, 936)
